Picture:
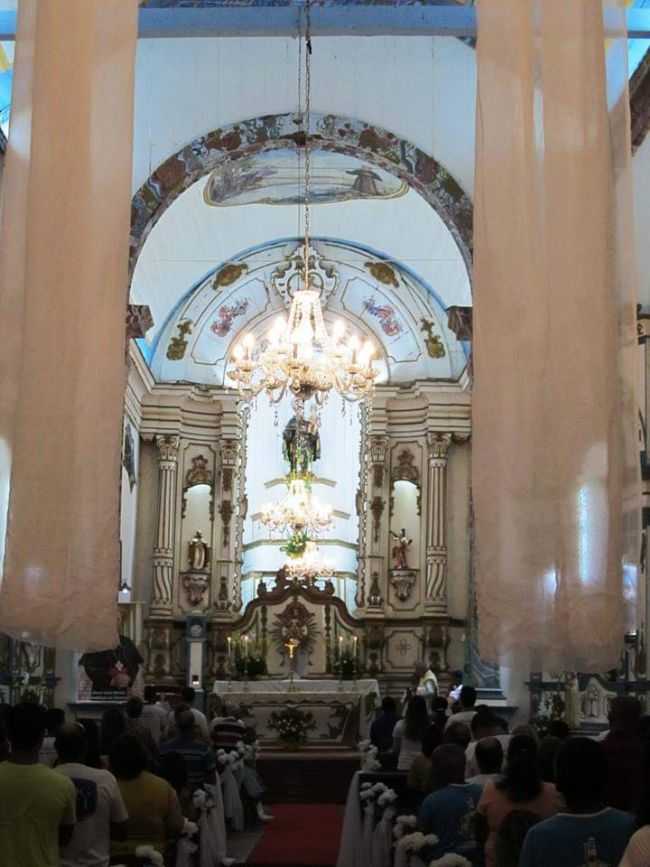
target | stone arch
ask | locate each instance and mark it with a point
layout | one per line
(327, 131)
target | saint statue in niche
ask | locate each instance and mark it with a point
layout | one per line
(400, 551)
(199, 553)
(301, 443)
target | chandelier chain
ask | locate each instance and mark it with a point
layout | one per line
(307, 133)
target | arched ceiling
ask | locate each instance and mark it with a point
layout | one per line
(379, 300)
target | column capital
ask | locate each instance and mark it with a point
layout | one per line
(438, 445)
(167, 446)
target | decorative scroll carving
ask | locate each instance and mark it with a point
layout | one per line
(178, 344)
(199, 473)
(229, 450)
(377, 508)
(383, 272)
(402, 581)
(223, 603)
(406, 470)
(295, 623)
(138, 320)
(378, 449)
(229, 274)
(375, 599)
(226, 510)
(195, 585)
(323, 276)
(459, 320)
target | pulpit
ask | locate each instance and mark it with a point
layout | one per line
(342, 710)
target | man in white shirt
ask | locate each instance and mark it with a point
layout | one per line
(101, 814)
(467, 702)
(154, 716)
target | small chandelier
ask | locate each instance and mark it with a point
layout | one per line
(309, 566)
(299, 512)
(300, 356)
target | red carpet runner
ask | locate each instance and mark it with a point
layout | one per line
(301, 835)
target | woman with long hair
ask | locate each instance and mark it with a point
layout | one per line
(409, 732)
(520, 788)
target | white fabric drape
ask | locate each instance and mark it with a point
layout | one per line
(63, 289)
(555, 457)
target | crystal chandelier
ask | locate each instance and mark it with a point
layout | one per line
(299, 512)
(301, 357)
(309, 566)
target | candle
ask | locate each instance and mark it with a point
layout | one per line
(246, 645)
(229, 640)
(354, 644)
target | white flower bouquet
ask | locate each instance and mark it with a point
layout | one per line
(149, 856)
(451, 859)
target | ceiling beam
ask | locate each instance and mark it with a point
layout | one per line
(335, 20)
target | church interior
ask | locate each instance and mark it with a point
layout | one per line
(325, 331)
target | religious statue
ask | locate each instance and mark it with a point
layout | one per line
(301, 443)
(400, 550)
(199, 553)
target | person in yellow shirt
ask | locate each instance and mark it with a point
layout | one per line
(37, 805)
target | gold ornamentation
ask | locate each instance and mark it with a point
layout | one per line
(178, 345)
(377, 509)
(383, 272)
(296, 623)
(406, 470)
(433, 342)
(229, 274)
(199, 473)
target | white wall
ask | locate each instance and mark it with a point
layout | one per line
(420, 88)
(641, 175)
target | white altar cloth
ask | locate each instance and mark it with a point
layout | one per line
(343, 710)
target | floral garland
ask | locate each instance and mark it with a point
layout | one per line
(292, 724)
(150, 857)
(377, 792)
(369, 756)
(451, 859)
(402, 823)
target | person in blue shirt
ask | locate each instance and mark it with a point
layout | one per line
(588, 834)
(449, 811)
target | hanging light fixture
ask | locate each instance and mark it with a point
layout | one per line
(299, 513)
(309, 566)
(301, 357)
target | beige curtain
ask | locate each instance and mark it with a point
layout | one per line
(63, 288)
(555, 455)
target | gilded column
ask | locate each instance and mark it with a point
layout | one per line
(163, 552)
(436, 578)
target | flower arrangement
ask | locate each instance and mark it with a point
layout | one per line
(451, 859)
(292, 724)
(369, 756)
(296, 544)
(149, 856)
(402, 823)
(231, 760)
(416, 841)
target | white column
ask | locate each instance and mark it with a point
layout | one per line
(163, 552)
(436, 578)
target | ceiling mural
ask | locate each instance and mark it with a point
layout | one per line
(377, 299)
(278, 178)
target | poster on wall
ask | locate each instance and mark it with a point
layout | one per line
(111, 675)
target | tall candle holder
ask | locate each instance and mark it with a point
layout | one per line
(291, 646)
(246, 661)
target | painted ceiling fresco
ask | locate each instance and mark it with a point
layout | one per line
(277, 177)
(377, 299)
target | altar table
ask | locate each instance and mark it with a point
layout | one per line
(342, 710)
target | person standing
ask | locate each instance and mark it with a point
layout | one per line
(37, 805)
(101, 814)
(381, 728)
(199, 758)
(587, 832)
(154, 716)
(188, 697)
(467, 701)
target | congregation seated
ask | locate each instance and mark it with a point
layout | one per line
(586, 831)
(381, 728)
(199, 757)
(489, 759)
(101, 813)
(409, 731)
(37, 804)
(520, 788)
(449, 810)
(155, 816)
